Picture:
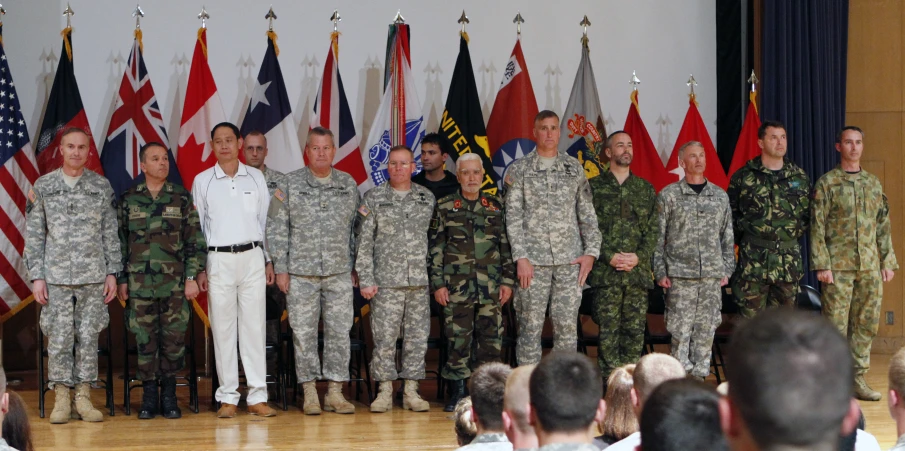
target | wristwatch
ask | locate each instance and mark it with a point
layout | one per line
(190, 278)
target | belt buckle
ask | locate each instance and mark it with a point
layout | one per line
(232, 248)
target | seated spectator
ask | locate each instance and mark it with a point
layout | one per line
(487, 386)
(859, 439)
(651, 371)
(466, 430)
(566, 390)
(680, 415)
(4, 408)
(16, 427)
(790, 384)
(896, 399)
(516, 424)
(619, 421)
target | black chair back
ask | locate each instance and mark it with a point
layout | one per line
(809, 299)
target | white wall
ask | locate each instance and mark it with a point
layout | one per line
(663, 40)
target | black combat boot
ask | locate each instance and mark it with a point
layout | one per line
(168, 399)
(148, 400)
(457, 391)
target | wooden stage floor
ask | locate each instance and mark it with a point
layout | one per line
(397, 430)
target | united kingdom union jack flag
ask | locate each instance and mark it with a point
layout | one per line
(136, 120)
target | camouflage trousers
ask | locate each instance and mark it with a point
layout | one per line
(692, 316)
(754, 296)
(621, 313)
(556, 286)
(852, 303)
(73, 318)
(470, 324)
(392, 308)
(159, 326)
(309, 298)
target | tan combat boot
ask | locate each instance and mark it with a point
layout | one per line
(83, 404)
(334, 401)
(61, 406)
(311, 405)
(384, 401)
(412, 400)
(863, 391)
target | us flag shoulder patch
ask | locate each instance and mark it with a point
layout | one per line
(363, 209)
(32, 197)
(280, 195)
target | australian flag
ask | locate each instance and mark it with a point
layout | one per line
(270, 113)
(136, 121)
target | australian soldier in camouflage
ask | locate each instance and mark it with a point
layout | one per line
(163, 251)
(693, 259)
(471, 274)
(73, 253)
(770, 204)
(311, 240)
(391, 261)
(851, 250)
(626, 207)
(554, 239)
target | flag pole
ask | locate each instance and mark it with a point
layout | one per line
(585, 23)
(691, 83)
(334, 37)
(271, 16)
(518, 21)
(752, 96)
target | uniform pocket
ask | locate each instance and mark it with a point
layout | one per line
(250, 201)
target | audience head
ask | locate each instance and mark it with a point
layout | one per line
(16, 427)
(651, 371)
(466, 429)
(620, 420)
(790, 383)
(516, 399)
(896, 398)
(566, 391)
(4, 397)
(487, 387)
(682, 414)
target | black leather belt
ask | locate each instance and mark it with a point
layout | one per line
(235, 248)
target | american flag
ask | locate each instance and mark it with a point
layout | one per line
(136, 121)
(18, 172)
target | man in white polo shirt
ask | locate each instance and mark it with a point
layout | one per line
(232, 201)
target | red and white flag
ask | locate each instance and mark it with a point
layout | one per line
(647, 163)
(18, 172)
(746, 148)
(201, 111)
(331, 111)
(693, 129)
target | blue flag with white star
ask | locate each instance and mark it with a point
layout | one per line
(270, 113)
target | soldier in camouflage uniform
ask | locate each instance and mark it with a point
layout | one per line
(771, 212)
(851, 250)
(162, 246)
(72, 252)
(310, 234)
(471, 274)
(693, 259)
(554, 238)
(626, 207)
(255, 151)
(393, 222)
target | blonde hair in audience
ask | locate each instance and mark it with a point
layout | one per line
(620, 420)
(466, 429)
(897, 372)
(517, 397)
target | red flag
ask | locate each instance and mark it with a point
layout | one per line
(646, 163)
(200, 112)
(746, 148)
(64, 110)
(693, 129)
(510, 129)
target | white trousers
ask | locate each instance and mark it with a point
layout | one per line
(236, 307)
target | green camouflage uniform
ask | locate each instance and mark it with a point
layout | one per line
(470, 256)
(850, 235)
(162, 244)
(627, 217)
(770, 212)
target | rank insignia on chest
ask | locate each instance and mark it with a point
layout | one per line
(363, 210)
(280, 195)
(421, 196)
(271, 185)
(135, 209)
(171, 212)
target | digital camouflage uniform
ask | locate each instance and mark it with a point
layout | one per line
(71, 243)
(550, 220)
(310, 234)
(695, 250)
(770, 212)
(162, 244)
(627, 217)
(850, 235)
(276, 299)
(392, 255)
(470, 257)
